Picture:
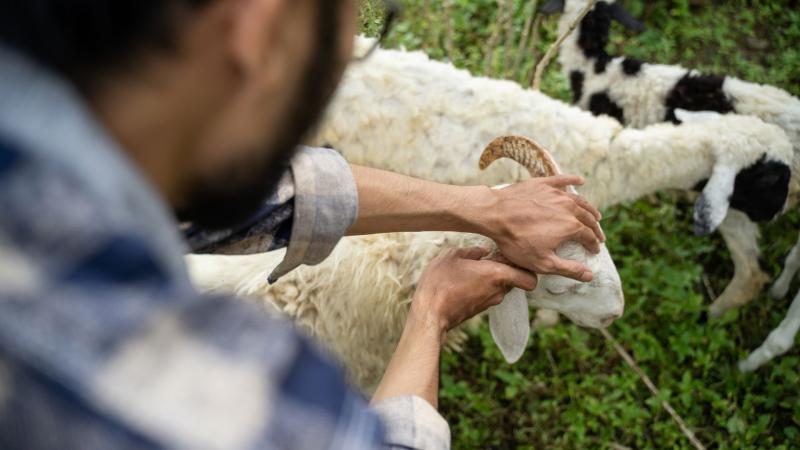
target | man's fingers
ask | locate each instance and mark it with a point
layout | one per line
(583, 203)
(497, 299)
(589, 220)
(510, 276)
(588, 239)
(475, 253)
(571, 269)
(564, 180)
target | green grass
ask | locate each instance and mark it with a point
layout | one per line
(571, 390)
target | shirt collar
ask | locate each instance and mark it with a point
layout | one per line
(50, 120)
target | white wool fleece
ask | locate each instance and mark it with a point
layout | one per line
(403, 112)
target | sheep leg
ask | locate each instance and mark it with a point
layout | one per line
(779, 341)
(741, 236)
(790, 267)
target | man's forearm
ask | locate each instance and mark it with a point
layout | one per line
(414, 368)
(390, 202)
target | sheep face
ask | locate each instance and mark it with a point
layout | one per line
(595, 304)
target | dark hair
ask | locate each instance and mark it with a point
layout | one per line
(84, 39)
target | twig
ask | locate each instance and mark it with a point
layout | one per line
(508, 25)
(615, 446)
(522, 48)
(653, 389)
(494, 38)
(537, 79)
(552, 362)
(709, 289)
(426, 10)
(533, 48)
(448, 40)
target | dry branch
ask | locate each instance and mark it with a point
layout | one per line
(653, 389)
(508, 25)
(450, 31)
(426, 9)
(533, 48)
(537, 78)
(494, 38)
(522, 48)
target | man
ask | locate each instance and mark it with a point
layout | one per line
(115, 113)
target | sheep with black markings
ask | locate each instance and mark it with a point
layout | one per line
(427, 119)
(781, 339)
(402, 111)
(639, 94)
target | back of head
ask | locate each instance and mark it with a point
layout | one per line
(86, 39)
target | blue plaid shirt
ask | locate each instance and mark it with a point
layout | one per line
(105, 344)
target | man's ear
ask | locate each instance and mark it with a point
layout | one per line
(255, 32)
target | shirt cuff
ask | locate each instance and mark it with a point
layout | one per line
(412, 422)
(325, 207)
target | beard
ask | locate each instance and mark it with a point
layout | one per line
(235, 193)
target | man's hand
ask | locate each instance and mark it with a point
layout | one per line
(458, 284)
(530, 220)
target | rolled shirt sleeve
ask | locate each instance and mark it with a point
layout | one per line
(412, 423)
(325, 207)
(316, 202)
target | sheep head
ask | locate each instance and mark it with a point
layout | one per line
(609, 9)
(760, 189)
(595, 304)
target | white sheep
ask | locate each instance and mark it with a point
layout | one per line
(404, 112)
(357, 300)
(639, 94)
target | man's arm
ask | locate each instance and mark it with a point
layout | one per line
(456, 286)
(322, 197)
(529, 220)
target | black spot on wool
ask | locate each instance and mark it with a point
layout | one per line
(698, 93)
(631, 66)
(594, 31)
(760, 191)
(601, 63)
(602, 104)
(576, 84)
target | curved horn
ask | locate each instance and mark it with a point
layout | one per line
(522, 150)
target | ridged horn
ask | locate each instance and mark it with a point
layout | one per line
(523, 150)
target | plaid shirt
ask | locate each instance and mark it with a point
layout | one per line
(105, 344)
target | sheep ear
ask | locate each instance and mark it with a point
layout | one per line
(510, 325)
(712, 206)
(695, 116)
(622, 16)
(553, 7)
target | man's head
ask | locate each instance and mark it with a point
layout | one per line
(209, 97)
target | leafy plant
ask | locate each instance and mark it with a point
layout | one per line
(571, 390)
